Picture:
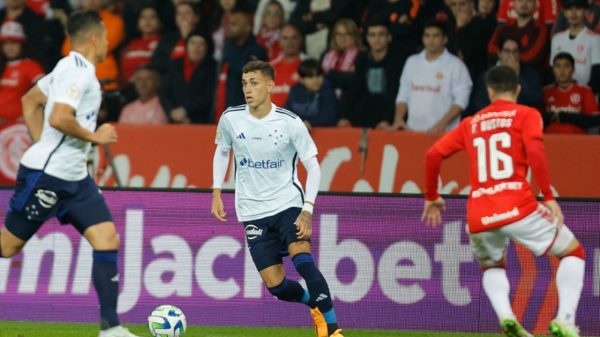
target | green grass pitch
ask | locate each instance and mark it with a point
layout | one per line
(36, 329)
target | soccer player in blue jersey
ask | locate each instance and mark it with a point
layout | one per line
(60, 113)
(267, 142)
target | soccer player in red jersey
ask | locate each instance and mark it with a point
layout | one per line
(503, 140)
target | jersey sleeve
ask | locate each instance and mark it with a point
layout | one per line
(44, 84)
(70, 85)
(461, 88)
(223, 136)
(404, 89)
(590, 107)
(534, 147)
(302, 141)
(595, 50)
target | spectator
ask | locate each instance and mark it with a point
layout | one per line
(487, 9)
(532, 37)
(338, 63)
(139, 51)
(146, 109)
(188, 89)
(36, 30)
(171, 46)
(545, 11)
(315, 18)
(582, 43)
(271, 22)
(400, 16)
(377, 78)
(434, 86)
(531, 87)
(566, 99)
(287, 5)
(240, 48)
(107, 71)
(592, 18)
(18, 72)
(313, 99)
(220, 21)
(470, 37)
(286, 65)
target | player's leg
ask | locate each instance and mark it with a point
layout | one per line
(542, 234)
(489, 248)
(89, 214)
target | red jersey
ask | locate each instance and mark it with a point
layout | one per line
(576, 99)
(546, 11)
(502, 141)
(138, 52)
(18, 77)
(40, 7)
(286, 75)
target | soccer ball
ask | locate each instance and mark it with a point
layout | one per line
(167, 321)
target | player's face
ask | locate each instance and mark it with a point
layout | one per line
(256, 87)
(378, 38)
(575, 15)
(272, 17)
(290, 41)
(12, 49)
(196, 48)
(563, 71)
(148, 23)
(525, 8)
(101, 44)
(433, 40)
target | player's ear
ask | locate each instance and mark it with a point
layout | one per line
(490, 93)
(270, 85)
(518, 90)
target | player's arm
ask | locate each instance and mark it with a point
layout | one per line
(62, 118)
(33, 111)
(536, 156)
(313, 179)
(442, 149)
(220, 164)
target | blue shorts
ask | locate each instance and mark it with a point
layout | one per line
(268, 238)
(39, 196)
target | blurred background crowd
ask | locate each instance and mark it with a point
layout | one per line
(385, 64)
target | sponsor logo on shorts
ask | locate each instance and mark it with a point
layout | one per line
(486, 220)
(46, 198)
(252, 232)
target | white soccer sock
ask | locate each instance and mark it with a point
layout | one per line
(497, 289)
(569, 281)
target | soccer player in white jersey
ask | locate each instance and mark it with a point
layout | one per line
(60, 113)
(267, 142)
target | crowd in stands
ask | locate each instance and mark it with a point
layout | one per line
(384, 64)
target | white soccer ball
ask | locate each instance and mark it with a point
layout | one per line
(167, 321)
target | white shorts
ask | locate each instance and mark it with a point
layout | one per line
(538, 231)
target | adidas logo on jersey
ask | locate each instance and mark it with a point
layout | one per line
(321, 297)
(241, 136)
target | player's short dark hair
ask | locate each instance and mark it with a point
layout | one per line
(263, 67)
(502, 79)
(564, 56)
(310, 68)
(82, 21)
(434, 23)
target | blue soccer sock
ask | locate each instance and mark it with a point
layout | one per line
(106, 281)
(290, 291)
(317, 287)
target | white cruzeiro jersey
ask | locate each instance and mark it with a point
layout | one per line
(585, 49)
(73, 82)
(266, 152)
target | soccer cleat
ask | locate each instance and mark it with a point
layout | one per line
(116, 331)
(559, 329)
(337, 333)
(512, 328)
(319, 323)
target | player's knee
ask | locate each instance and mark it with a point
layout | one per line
(110, 242)
(579, 252)
(8, 252)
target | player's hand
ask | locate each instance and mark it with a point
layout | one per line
(217, 209)
(304, 226)
(105, 134)
(432, 212)
(556, 211)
